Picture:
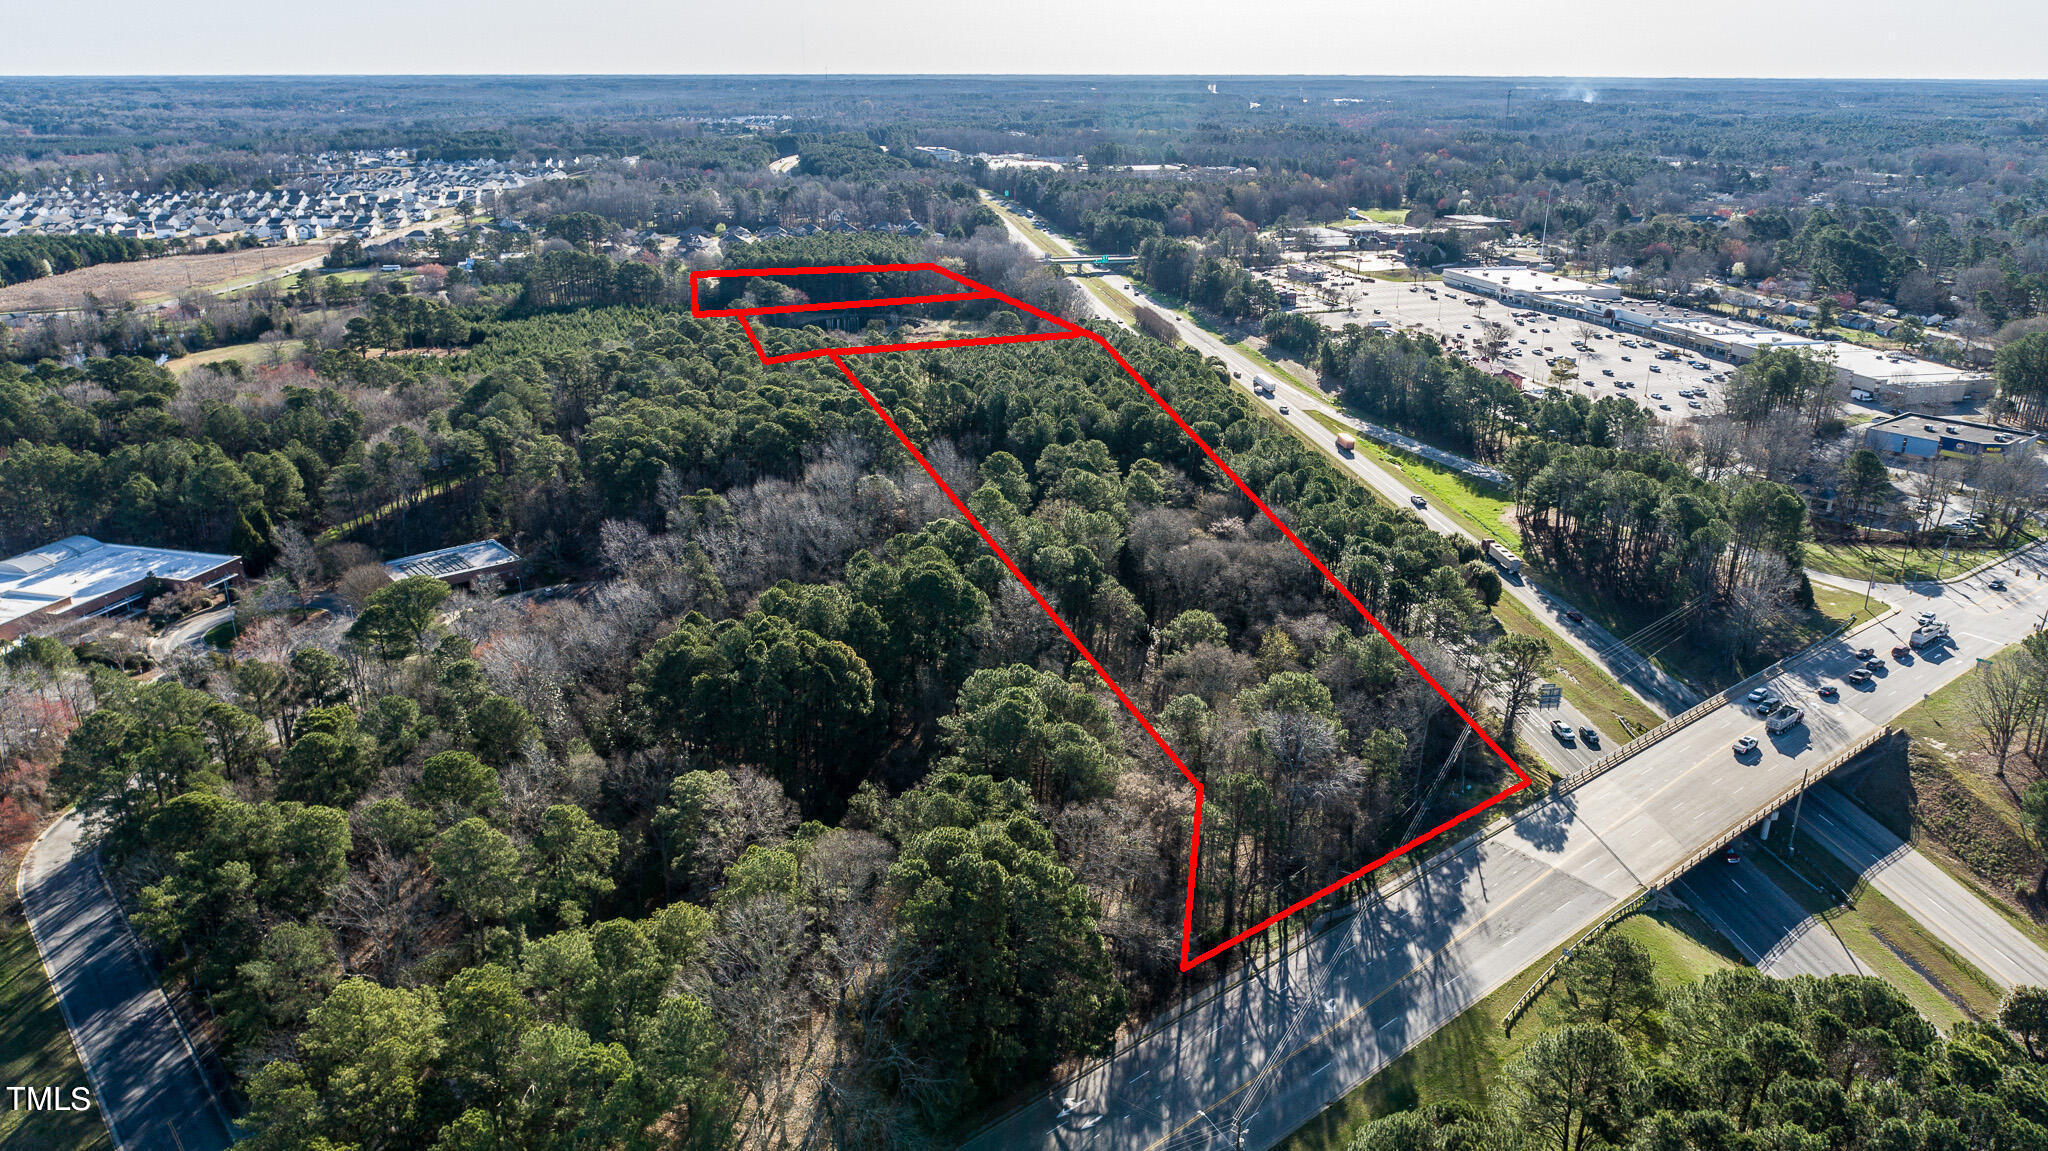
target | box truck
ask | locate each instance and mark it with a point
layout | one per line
(1509, 561)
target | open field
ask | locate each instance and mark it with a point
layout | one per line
(1466, 1055)
(1896, 563)
(250, 355)
(165, 276)
(35, 1046)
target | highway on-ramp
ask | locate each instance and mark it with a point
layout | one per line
(1920, 888)
(145, 1077)
(1273, 1045)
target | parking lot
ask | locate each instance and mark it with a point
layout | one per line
(1611, 363)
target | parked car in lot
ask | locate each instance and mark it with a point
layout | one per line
(1998, 585)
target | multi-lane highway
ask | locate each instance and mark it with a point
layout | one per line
(1274, 1045)
(1764, 923)
(1920, 888)
(1652, 685)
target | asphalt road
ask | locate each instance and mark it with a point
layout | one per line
(1658, 690)
(1935, 899)
(1764, 923)
(1275, 1045)
(145, 1077)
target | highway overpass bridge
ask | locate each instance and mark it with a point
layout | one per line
(1242, 1064)
(1087, 262)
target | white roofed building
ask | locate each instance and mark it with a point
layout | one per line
(461, 565)
(79, 577)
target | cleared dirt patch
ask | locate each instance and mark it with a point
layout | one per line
(163, 276)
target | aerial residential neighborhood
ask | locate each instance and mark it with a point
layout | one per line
(913, 583)
(364, 196)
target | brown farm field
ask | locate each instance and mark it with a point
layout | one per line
(163, 276)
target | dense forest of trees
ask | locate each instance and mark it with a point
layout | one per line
(32, 257)
(1739, 1061)
(803, 789)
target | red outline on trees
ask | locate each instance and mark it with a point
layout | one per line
(1069, 331)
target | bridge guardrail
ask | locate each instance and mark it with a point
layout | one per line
(1514, 1013)
(1689, 715)
(1757, 814)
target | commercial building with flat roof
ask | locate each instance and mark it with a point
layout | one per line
(1914, 434)
(79, 577)
(1897, 380)
(1511, 284)
(460, 565)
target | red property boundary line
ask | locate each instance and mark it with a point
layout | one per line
(1069, 331)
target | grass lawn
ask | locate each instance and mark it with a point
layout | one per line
(1244, 348)
(1386, 215)
(35, 1046)
(1480, 507)
(250, 354)
(1405, 275)
(1896, 563)
(1463, 1059)
(1838, 604)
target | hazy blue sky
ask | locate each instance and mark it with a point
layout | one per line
(1860, 38)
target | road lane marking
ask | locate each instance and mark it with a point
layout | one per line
(1544, 873)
